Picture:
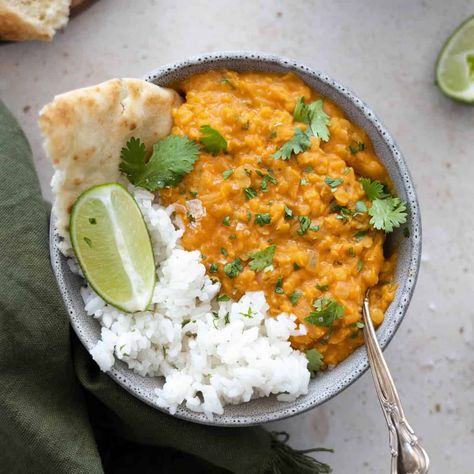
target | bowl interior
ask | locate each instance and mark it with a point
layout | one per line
(329, 383)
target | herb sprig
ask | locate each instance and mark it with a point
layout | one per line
(171, 159)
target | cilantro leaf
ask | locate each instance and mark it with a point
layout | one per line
(305, 223)
(212, 140)
(262, 259)
(233, 269)
(388, 213)
(250, 193)
(314, 116)
(172, 158)
(299, 143)
(227, 174)
(355, 147)
(262, 219)
(288, 213)
(373, 189)
(294, 297)
(223, 297)
(315, 360)
(279, 286)
(360, 234)
(333, 183)
(326, 312)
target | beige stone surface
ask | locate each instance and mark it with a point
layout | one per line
(385, 51)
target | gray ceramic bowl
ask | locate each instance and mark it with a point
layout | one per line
(329, 383)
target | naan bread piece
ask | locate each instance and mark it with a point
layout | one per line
(85, 130)
(22, 20)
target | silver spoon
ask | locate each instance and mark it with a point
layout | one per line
(408, 456)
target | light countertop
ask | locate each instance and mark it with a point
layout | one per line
(385, 51)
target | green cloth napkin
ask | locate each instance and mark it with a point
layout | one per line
(58, 412)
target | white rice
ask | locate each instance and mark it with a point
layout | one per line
(211, 353)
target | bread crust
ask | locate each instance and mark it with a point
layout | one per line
(85, 130)
(15, 27)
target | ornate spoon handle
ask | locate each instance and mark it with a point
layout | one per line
(408, 456)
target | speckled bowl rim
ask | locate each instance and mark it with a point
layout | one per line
(269, 409)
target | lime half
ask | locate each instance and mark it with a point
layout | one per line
(112, 246)
(455, 66)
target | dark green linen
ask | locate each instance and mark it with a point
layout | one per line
(58, 412)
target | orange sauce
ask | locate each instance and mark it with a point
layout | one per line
(254, 113)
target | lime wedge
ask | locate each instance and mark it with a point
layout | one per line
(112, 246)
(455, 66)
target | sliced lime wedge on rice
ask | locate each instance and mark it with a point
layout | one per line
(113, 247)
(455, 66)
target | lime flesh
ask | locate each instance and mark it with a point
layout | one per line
(113, 247)
(455, 66)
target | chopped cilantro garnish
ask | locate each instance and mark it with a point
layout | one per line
(355, 147)
(315, 361)
(232, 236)
(227, 82)
(359, 325)
(227, 174)
(172, 158)
(250, 193)
(249, 216)
(288, 213)
(308, 169)
(224, 252)
(305, 223)
(212, 140)
(333, 183)
(361, 207)
(351, 251)
(190, 217)
(326, 312)
(193, 194)
(314, 116)
(296, 266)
(322, 288)
(360, 234)
(279, 286)
(223, 298)
(346, 171)
(226, 220)
(266, 178)
(315, 228)
(262, 259)
(360, 265)
(213, 268)
(304, 182)
(234, 268)
(299, 143)
(294, 297)
(227, 318)
(262, 219)
(248, 314)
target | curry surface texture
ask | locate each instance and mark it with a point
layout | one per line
(254, 113)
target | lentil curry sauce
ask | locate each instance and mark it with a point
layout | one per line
(338, 256)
